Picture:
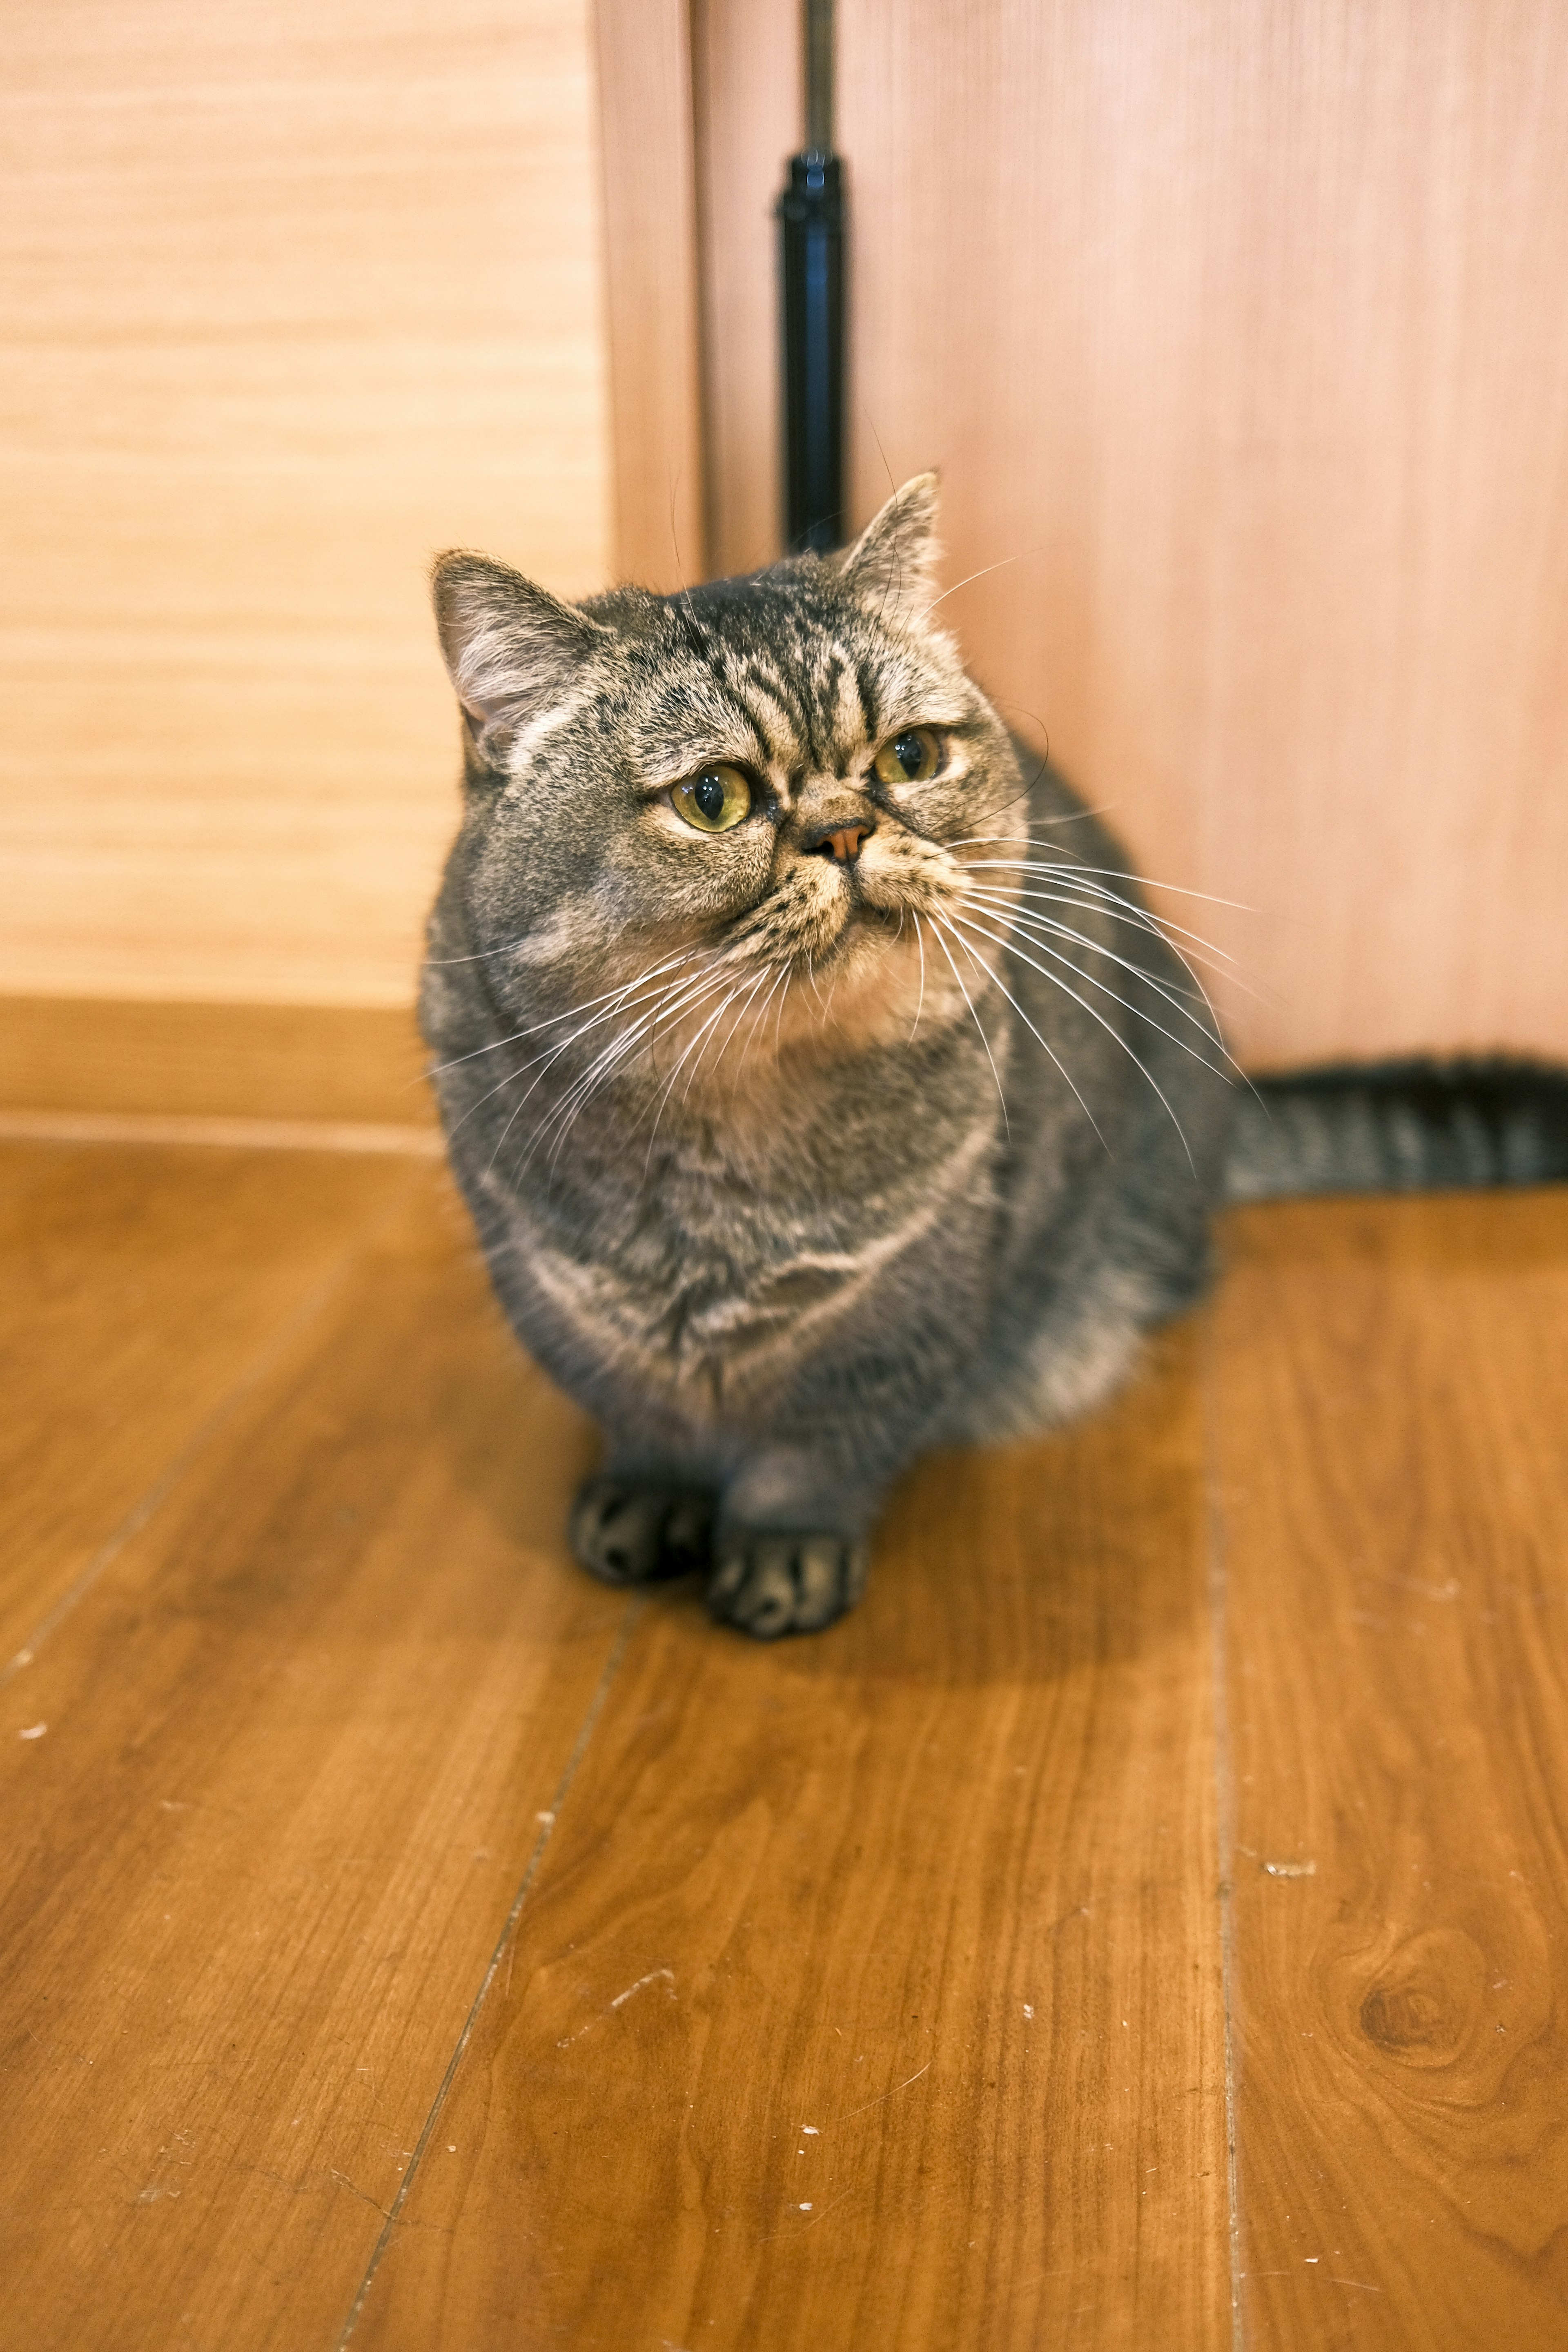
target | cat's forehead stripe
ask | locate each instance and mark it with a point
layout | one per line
(865, 686)
(775, 673)
(812, 714)
(738, 702)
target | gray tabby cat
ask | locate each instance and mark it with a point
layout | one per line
(821, 1088)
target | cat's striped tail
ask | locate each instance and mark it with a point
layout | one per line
(1399, 1127)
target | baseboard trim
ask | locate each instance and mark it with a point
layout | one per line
(273, 1064)
(229, 1134)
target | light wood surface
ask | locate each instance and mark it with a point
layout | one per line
(406, 1942)
(888, 1965)
(142, 1291)
(220, 1061)
(1388, 1411)
(1235, 335)
(294, 297)
(300, 1738)
(644, 56)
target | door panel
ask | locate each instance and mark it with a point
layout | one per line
(294, 297)
(1237, 335)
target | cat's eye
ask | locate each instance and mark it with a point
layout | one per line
(713, 799)
(911, 758)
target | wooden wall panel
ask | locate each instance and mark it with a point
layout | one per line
(293, 297)
(747, 61)
(1237, 333)
(644, 49)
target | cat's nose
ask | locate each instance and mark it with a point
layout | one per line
(841, 840)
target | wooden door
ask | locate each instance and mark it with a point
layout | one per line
(1237, 333)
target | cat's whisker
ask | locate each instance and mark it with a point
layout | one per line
(619, 1047)
(543, 1061)
(627, 987)
(1090, 979)
(512, 1121)
(778, 1016)
(1042, 824)
(553, 1052)
(748, 997)
(1207, 1029)
(1032, 1031)
(1080, 881)
(1002, 909)
(984, 570)
(1076, 888)
(479, 955)
(664, 1098)
(660, 1007)
(1108, 1027)
(1135, 917)
(548, 1059)
(921, 1001)
(667, 1016)
(832, 998)
(1022, 903)
(1189, 954)
(1211, 1030)
(620, 1050)
(676, 1001)
(1119, 873)
(781, 980)
(939, 926)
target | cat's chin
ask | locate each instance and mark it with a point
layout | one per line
(877, 983)
(865, 925)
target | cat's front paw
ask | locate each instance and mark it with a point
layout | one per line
(629, 1533)
(770, 1583)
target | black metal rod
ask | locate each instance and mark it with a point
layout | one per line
(819, 77)
(811, 218)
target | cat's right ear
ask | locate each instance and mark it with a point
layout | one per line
(513, 650)
(892, 565)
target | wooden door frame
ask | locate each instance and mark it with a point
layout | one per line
(647, 132)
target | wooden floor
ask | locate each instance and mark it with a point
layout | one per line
(1142, 1923)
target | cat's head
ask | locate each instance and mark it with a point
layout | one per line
(726, 788)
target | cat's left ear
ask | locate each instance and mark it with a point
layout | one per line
(514, 650)
(892, 565)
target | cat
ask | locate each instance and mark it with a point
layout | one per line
(821, 1085)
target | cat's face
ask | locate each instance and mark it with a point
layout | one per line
(704, 798)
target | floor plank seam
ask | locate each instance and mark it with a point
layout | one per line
(547, 1829)
(1225, 1822)
(149, 1502)
(212, 1132)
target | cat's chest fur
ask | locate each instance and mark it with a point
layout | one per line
(715, 1277)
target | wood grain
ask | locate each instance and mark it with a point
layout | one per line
(403, 1940)
(302, 1745)
(1235, 335)
(644, 51)
(870, 1992)
(293, 298)
(748, 74)
(219, 1060)
(143, 1291)
(1388, 1416)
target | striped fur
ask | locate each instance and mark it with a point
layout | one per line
(1399, 1127)
(888, 1116)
